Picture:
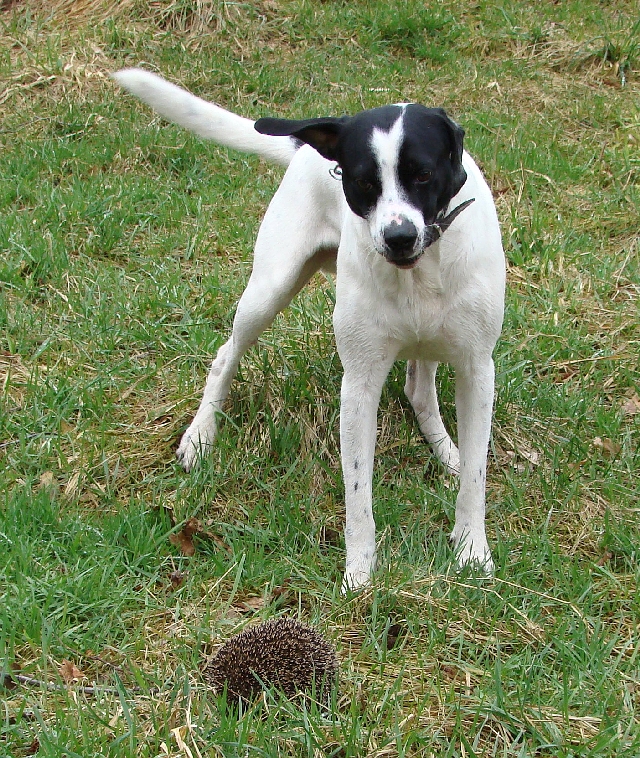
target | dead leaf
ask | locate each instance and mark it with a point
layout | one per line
(70, 672)
(183, 538)
(529, 454)
(330, 536)
(160, 413)
(575, 467)
(183, 542)
(251, 604)
(281, 589)
(631, 405)
(394, 632)
(48, 482)
(7, 683)
(608, 447)
(215, 538)
(73, 485)
(517, 457)
(66, 427)
(450, 671)
(33, 747)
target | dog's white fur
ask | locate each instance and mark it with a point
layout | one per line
(448, 307)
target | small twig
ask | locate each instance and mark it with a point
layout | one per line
(86, 690)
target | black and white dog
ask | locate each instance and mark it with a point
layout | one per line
(412, 233)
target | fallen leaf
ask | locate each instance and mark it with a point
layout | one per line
(160, 412)
(66, 427)
(7, 682)
(252, 604)
(33, 747)
(451, 671)
(329, 536)
(73, 485)
(608, 447)
(183, 538)
(631, 405)
(394, 632)
(192, 526)
(529, 454)
(281, 589)
(70, 672)
(287, 596)
(48, 481)
(215, 538)
(183, 542)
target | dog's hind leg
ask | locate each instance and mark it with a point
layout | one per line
(420, 388)
(261, 301)
(292, 244)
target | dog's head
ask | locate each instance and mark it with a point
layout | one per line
(401, 166)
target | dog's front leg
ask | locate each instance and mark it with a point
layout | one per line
(474, 406)
(361, 387)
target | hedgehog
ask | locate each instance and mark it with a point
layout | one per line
(281, 653)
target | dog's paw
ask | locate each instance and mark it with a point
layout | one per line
(446, 452)
(450, 459)
(354, 581)
(472, 550)
(196, 443)
(357, 574)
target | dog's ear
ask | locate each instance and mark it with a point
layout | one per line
(456, 133)
(323, 134)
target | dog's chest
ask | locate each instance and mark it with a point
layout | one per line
(405, 309)
(416, 316)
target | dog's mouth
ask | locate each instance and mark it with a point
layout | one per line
(407, 262)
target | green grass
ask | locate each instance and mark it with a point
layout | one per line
(125, 245)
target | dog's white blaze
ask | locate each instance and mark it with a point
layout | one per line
(386, 147)
(392, 206)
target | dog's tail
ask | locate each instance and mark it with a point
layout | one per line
(205, 119)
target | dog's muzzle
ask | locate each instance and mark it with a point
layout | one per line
(400, 238)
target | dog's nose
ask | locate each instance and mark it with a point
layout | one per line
(401, 238)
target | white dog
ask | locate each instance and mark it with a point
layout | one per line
(390, 201)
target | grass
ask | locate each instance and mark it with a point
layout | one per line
(126, 243)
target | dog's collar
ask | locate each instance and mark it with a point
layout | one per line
(434, 231)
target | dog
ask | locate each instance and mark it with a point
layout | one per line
(390, 201)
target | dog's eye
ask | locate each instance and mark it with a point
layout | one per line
(364, 185)
(423, 177)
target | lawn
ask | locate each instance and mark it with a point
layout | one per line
(125, 244)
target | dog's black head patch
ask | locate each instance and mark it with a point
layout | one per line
(401, 166)
(429, 161)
